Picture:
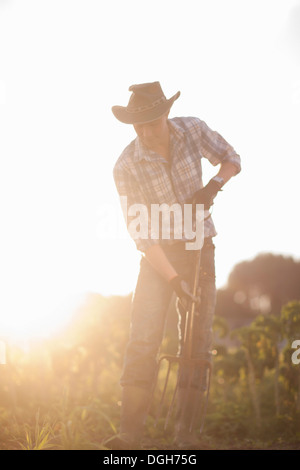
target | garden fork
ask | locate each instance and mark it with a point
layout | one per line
(186, 362)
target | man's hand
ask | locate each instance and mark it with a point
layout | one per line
(183, 291)
(207, 194)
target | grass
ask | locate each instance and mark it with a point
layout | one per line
(64, 394)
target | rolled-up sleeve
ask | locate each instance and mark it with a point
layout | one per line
(215, 148)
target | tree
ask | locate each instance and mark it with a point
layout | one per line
(266, 283)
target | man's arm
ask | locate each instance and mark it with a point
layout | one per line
(155, 254)
(207, 194)
(227, 171)
(158, 259)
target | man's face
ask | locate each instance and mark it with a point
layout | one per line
(155, 133)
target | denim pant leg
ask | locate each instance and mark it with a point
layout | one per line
(148, 313)
(204, 314)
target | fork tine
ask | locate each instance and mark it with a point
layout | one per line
(190, 370)
(170, 410)
(164, 390)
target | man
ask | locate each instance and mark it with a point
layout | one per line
(162, 165)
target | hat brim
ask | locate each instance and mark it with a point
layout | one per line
(143, 117)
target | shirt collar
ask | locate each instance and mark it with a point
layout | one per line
(141, 152)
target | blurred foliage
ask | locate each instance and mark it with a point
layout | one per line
(266, 283)
(64, 393)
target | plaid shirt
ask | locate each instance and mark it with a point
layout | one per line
(147, 178)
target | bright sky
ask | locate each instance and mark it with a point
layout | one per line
(63, 64)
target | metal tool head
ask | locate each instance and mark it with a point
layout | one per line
(180, 365)
(187, 366)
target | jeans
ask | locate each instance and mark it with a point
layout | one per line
(150, 303)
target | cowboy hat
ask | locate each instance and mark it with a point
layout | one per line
(147, 103)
